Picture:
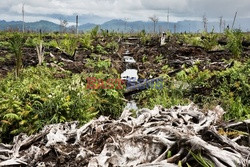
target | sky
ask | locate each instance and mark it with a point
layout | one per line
(99, 11)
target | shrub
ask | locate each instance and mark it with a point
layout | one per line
(229, 88)
(100, 50)
(234, 41)
(144, 37)
(31, 42)
(52, 43)
(94, 32)
(38, 98)
(112, 46)
(86, 42)
(69, 45)
(17, 42)
(4, 44)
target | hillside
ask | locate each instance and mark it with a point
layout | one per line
(123, 26)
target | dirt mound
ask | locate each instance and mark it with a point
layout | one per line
(158, 137)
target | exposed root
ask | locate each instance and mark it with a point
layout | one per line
(159, 137)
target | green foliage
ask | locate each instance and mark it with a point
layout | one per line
(52, 43)
(169, 154)
(38, 98)
(113, 104)
(94, 32)
(165, 70)
(113, 46)
(158, 59)
(100, 50)
(142, 33)
(2, 59)
(17, 42)
(234, 90)
(31, 42)
(166, 96)
(86, 42)
(104, 33)
(69, 45)
(208, 41)
(98, 65)
(234, 41)
(229, 88)
(144, 58)
(201, 160)
(5, 44)
(8, 56)
(193, 41)
(144, 37)
(110, 102)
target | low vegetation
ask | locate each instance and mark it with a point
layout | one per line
(39, 95)
(42, 95)
(229, 88)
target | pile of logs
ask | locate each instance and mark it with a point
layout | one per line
(158, 137)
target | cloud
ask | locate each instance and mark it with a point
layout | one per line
(132, 9)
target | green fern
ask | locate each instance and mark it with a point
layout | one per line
(11, 117)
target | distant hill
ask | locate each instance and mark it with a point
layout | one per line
(123, 26)
(181, 26)
(32, 26)
(43, 25)
(87, 26)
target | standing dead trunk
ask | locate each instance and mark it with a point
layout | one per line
(154, 19)
(40, 53)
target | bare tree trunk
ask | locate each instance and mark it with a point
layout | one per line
(40, 53)
(205, 22)
(154, 27)
(77, 25)
(154, 19)
(234, 19)
(175, 28)
(221, 21)
(23, 17)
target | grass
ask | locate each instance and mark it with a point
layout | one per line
(201, 160)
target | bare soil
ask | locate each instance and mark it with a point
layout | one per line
(173, 54)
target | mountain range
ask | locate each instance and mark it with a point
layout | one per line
(123, 26)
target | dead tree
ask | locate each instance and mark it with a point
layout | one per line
(221, 22)
(77, 25)
(126, 22)
(224, 25)
(205, 22)
(40, 52)
(168, 26)
(63, 25)
(23, 16)
(234, 19)
(154, 19)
